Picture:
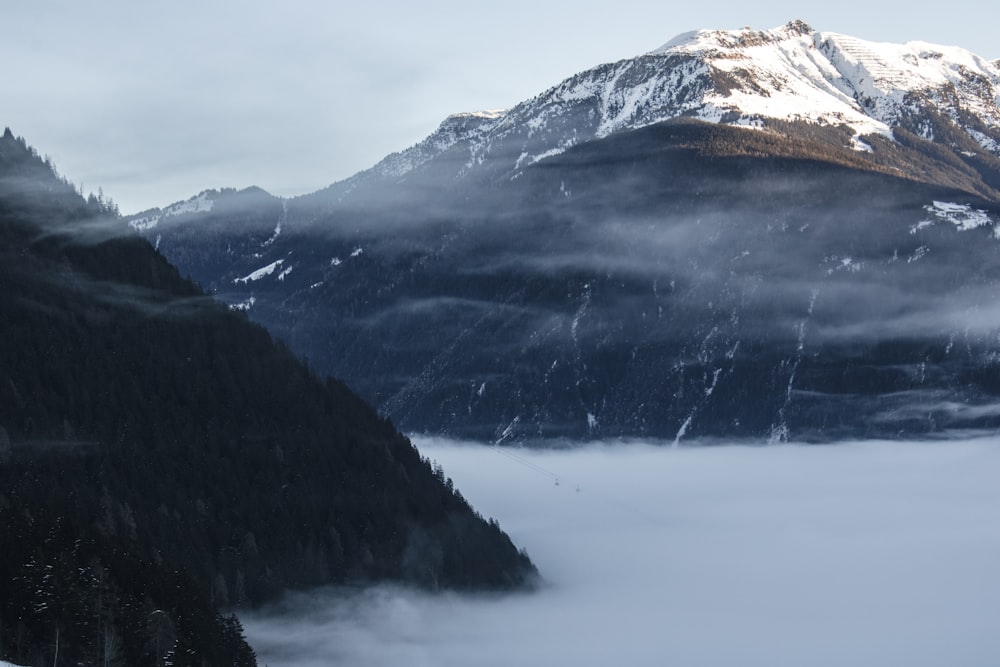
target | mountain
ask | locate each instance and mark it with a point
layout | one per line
(792, 74)
(742, 233)
(162, 458)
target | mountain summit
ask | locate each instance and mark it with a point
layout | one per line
(781, 233)
(744, 78)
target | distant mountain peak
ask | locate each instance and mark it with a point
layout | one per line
(729, 39)
(487, 114)
(796, 73)
(799, 26)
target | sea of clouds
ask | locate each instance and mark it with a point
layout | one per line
(876, 553)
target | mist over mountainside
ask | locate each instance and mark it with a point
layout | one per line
(741, 233)
(162, 458)
(857, 554)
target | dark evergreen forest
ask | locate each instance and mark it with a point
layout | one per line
(163, 460)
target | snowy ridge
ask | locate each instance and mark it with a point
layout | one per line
(778, 74)
(459, 128)
(200, 203)
(242, 305)
(455, 128)
(737, 77)
(890, 80)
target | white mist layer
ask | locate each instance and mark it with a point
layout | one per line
(851, 554)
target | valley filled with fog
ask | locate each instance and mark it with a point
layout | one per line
(864, 553)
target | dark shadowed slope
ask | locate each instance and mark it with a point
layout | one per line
(162, 457)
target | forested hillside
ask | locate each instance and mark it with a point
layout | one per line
(161, 458)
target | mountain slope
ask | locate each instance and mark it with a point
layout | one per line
(664, 246)
(160, 456)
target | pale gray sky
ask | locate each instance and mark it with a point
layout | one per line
(156, 101)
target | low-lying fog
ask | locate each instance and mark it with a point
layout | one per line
(850, 554)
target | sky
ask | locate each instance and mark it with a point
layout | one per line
(153, 102)
(862, 554)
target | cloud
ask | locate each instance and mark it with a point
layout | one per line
(939, 405)
(859, 553)
(146, 301)
(443, 308)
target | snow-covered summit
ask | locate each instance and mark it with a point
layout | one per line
(698, 40)
(796, 73)
(205, 203)
(455, 129)
(745, 77)
(488, 114)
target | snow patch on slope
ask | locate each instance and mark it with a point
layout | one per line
(962, 216)
(198, 204)
(277, 228)
(242, 305)
(260, 273)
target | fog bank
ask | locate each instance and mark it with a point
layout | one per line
(857, 553)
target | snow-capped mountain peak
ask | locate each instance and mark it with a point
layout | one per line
(200, 203)
(698, 40)
(795, 73)
(745, 77)
(488, 114)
